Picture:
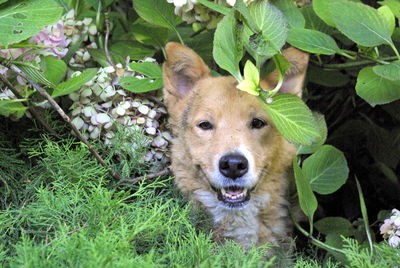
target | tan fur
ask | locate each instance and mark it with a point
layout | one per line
(192, 95)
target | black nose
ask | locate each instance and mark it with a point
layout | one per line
(233, 165)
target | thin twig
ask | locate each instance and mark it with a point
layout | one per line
(163, 172)
(66, 118)
(107, 52)
(36, 114)
(78, 229)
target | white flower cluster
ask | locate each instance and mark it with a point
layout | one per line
(191, 11)
(101, 103)
(390, 229)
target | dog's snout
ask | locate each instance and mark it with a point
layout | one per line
(233, 165)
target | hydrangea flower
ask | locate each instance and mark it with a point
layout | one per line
(390, 229)
(53, 36)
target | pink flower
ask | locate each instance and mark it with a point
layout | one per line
(55, 38)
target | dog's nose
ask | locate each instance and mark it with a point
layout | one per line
(233, 165)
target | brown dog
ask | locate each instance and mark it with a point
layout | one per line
(226, 152)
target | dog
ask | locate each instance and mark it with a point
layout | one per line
(226, 153)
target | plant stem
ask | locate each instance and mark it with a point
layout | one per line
(163, 172)
(351, 65)
(66, 118)
(179, 36)
(313, 239)
(106, 51)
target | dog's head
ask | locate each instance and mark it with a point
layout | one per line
(229, 137)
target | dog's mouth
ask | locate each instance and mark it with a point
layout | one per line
(233, 196)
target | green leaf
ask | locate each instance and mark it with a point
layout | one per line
(54, 69)
(134, 50)
(152, 81)
(227, 50)
(389, 71)
(219, 8)
(313, 22)
(156, 12)
(74, 83)
(251, 73)
(137, 85)
(364, 214)
(22, 19)
(293, 119)
(312, 41)
(268, 19)
(3, 1)
(309, 149)
(12, 107)
(389, 16)
(375, 89)
(99, 56)
(326, 169)
(335, 225)
(307, 200)
(34, 73)
(321, 9)
(149, 34)
(293, 15)
(152, 70)
(361, 23)
(326, 77)
(394, 6)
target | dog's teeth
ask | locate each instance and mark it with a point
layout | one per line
(223, 191)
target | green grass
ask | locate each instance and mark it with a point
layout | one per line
(64, 211)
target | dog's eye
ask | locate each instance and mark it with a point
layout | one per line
(257, 123)
(205, 125)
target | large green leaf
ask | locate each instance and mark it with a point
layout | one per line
(156, 12)
(12, 107)
(293, 14)
(74, 83)
(152, 81)
(137, 85)
(326, 77)
(149, 34)
(214, 6)
(312, 41)
(361, 23)
(22, 19)
(321, 9)
(375, 89)
(134, 50)
(389, 71)
(35, 74)
(307, 200)
(228, 50)
(387, 13)
(394, 6)
(272, 25)
(152, 70)
(309, 149)
(293, 119)
(3, 1)
(335, 225)
(54, 69)
(313, 22)
(326, 169)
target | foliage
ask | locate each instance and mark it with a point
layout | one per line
(353, 82)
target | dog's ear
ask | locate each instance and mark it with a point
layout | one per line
(294, 76)
(182, 69)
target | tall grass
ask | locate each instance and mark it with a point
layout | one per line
(62, 211)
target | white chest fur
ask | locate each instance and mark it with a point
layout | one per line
(241, 225)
